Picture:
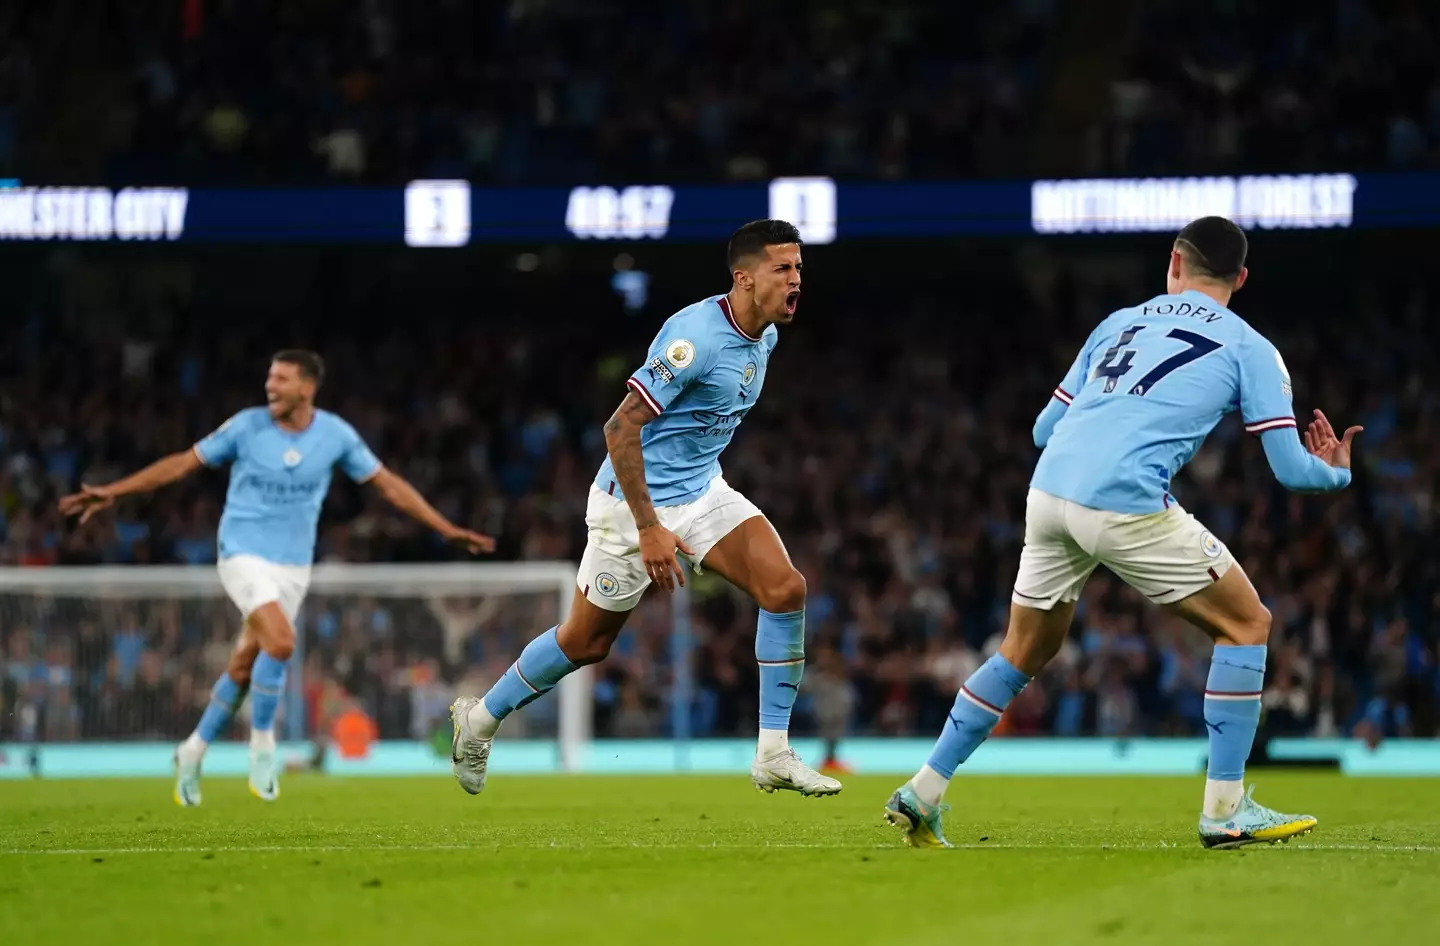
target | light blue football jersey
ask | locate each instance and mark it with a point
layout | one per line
(278, 481)
(1150, 384)
(701, 377)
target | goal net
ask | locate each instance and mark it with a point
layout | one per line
(130, 653)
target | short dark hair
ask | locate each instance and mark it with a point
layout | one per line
(751, 239)
(1214, 247)
(311, 365)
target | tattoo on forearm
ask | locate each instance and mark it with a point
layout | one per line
(622, 438)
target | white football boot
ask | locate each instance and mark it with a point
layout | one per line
(187, 777)
(264, 769)
(785, 771)
(469, 753)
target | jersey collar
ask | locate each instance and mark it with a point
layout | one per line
(730, 317)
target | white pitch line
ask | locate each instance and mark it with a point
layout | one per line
(422, 848)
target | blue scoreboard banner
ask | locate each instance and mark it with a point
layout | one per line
(454, 213)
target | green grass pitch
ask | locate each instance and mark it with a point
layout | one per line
(707, 860)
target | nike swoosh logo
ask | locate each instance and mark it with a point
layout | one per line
(915, 813)
(1233, 832)
(792, 686)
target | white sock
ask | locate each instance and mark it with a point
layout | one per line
(772, 743)
(482, 721)
(1222, 799)
(263, 739)
(930, 785)
(193, 747)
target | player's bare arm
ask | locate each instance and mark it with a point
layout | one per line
(399, 493)
(622, 440)
(167, 470)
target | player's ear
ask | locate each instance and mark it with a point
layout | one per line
(1176, 263)
(1240, 280)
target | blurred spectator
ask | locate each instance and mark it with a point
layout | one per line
(385, 91)
(1282, 86)
(568, 91)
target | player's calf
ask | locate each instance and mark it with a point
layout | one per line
(1031, 640)
(583, 638)
(541, 666)
(780, 654)
(751, 557)
(276, 635)
(225, 699)
(1230, 611)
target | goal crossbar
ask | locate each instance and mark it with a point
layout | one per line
(131, 582)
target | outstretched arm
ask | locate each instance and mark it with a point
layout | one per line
(92, 499)
(622, 439)
(399, 493)
(1322, 466)
(1299, 470)
(1322, 463)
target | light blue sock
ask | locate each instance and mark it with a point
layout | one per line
(225, 699)
(780, 651)
(267, 685)
(1232, 708)
(542, 664)
(978, 707)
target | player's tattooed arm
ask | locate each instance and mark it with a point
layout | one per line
(658, 544)
(622, 439)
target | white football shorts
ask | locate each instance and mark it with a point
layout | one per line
(611, 574)
(1166, 556)
(251, 581)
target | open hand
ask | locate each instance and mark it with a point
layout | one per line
(657, 550)
(87, 502)
(474, 542)
(1321, 441)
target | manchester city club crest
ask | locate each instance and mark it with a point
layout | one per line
(607, 584)
(292, 457)
(749, 374)
(1210, 545)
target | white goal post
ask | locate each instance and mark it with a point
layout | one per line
(462, 579)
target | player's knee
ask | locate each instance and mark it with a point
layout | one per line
(239, 668)
(783, 594)
(584, 646)
(591, 651)
(1254, 629)
(274, 632)
(1035, 636)
(278, 640)
(1029, 653)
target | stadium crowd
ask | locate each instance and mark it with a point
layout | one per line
(1280, 86)
(560, 91)
(900, 495)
